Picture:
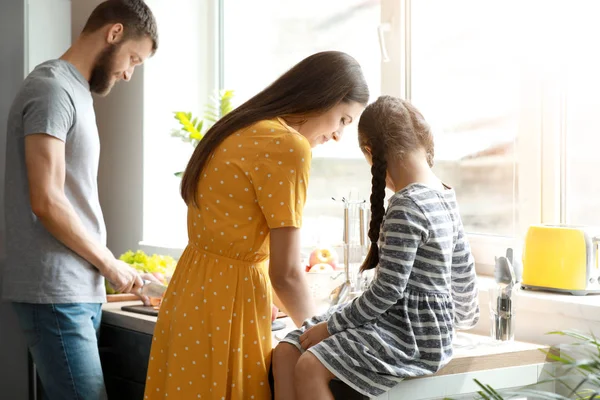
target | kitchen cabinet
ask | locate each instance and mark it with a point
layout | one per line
(124, 354)
(126, 338)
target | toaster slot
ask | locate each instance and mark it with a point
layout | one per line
(595, 273)
(596, 244)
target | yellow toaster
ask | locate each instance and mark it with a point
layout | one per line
(561, 258)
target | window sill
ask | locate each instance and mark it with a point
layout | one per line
(586, 307)
(151, 248)
(538, 313)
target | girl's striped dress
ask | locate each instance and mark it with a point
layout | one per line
(424, 288)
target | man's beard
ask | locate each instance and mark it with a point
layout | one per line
(102, 78)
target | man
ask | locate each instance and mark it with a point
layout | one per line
(57, 258)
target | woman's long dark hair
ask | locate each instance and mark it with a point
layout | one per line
(389, 127)
(311, 87)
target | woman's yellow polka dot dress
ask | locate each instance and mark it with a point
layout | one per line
(213, 335)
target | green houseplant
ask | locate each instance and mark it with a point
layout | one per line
(577, 373)
(192, 128)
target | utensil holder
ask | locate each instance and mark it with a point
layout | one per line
(355, 249)
(502, 314)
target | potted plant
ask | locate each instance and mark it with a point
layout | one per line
(577, 374)
(192, 129)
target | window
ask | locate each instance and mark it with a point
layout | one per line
(473, 80)
(581, 105)
(465, 77)
(178, 78)
(511, 98)
(263, 39)
(513, 101)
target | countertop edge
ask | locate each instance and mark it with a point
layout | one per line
(113, 315)
(521, 354)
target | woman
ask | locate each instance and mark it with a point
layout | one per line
(245, 188)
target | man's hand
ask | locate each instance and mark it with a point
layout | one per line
(314, 335)
(147, 276)
(122, 277)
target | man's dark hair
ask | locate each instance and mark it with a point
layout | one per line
(135, 16)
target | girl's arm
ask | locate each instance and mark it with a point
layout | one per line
(404, 228)
(464, 285)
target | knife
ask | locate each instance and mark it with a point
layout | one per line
(153, 289)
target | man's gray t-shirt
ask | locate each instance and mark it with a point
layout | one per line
(54, 99)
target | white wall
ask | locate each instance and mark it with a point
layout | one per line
(26, 39)
(13, 351)
(120, 124)
(48, 30)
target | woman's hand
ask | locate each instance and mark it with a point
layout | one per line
(146, 276)
(314, 335)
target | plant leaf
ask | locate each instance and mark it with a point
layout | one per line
(579, 372)
(187, 125)
(192, 129)
(225, 102)
(538, 394)
(196, 136)
(488, 393)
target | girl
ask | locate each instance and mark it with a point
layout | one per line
(245, 187)
(424, 287)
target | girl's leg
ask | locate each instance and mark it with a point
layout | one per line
(285, 357)
(312, 379)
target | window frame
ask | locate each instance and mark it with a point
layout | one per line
(541, 173)
(209, 31)
(541, 179)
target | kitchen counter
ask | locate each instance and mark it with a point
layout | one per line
(475, 357)
(113, 315)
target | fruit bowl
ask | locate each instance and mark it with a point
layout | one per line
(324, 255)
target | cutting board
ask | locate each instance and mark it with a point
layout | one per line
(114, 298)
(141, 309)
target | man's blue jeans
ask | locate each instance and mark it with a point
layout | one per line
(63, 341)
